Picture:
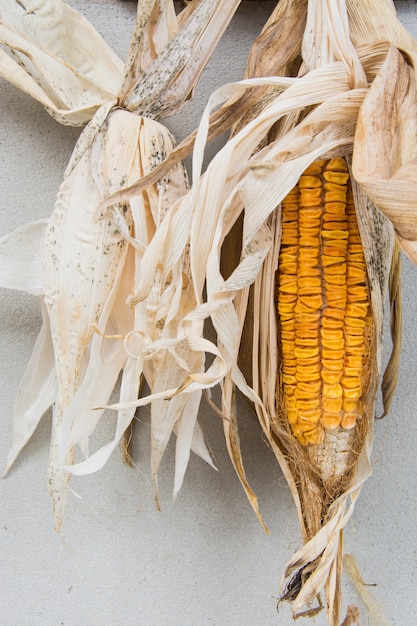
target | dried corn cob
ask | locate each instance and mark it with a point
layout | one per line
(325, 332)
(324, 453)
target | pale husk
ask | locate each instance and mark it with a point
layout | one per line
(92, 254)
(58, 58)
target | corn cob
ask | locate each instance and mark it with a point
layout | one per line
(323, 304)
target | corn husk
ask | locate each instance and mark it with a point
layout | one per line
(347, 69)
(91, 255)
(58, 58)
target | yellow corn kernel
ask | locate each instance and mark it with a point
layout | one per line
(311, 213)
(311, 361)
(305, 353)
(306, 425)
(308, 253)
(327, 260)
(306, 271)
(354, 340)
(335, 279)
(336, 177)
(331, 334)
(309, 282)
(333, 195)
(350, 382)
(309, 369)
(332, 344)
(329, 353)
(354, 361)
(309, 303)
(336, 292)
(355, 350)
(334, 313)
(332, 405)
(336, 208)
(350, 371)
(306, 341)
(310, 197)
(307, 405)
(309, 181)
(331, 377)
(352, 394)
(332, 391)
(334, 268)
(292, 415)
(331, 323)
(290, 397)
(354, 331)
(316, 167)
(349, 405)
(334, 365)
(356, 309)
(334, 234)
(337, 163)
(309, 241)
(330, 421)
(289, 379)
(348, 421)
(310, 386)
(353, 322)
(290, 287)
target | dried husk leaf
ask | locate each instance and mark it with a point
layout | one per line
(385, 157)
(391, 371)
(37, 391)
(82, 252)
(92, 258)
(58, 58)
(171, 78)
(155, 25)
(20, 262)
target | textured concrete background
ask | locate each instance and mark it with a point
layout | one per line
(204, 560)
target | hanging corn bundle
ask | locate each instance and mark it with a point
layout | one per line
(313, 150)
(88, 267)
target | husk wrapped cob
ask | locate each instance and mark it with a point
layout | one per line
(87, 265)
(343, 101)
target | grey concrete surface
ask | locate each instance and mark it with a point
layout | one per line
(205, 559)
